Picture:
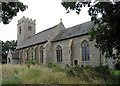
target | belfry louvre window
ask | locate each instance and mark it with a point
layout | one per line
(41, 54)
(59, 53)
(85, 51)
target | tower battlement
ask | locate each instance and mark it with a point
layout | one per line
(26, 20)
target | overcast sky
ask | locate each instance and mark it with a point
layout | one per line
(47, 13)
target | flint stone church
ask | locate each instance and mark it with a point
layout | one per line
(58, 45)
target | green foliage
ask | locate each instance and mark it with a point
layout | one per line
(5, 48)
(50, 74)
(117, 65)
(107, 29)
(103, 71)
(30, 62)
(75, 6)
(32, 73)
(115, 72)
(75, 71)
(16, 71)
(54, 67)
(114, 79)
(10, 9)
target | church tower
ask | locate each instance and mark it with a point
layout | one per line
(25, 29)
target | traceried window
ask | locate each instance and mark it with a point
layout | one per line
(85, 51)
(59, 53)
(41, 54)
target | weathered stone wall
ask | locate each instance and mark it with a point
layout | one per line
(50, 53)
(15, 61)
(36, 55)
(76, 51)
(65, 52)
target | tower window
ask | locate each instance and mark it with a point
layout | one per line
(20, 30)
(29, 28)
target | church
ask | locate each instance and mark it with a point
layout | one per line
(57, 44)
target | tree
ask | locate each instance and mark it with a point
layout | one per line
(5, 48)
(107, 32)
(10, 9)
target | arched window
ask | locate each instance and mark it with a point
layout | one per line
(85, 51)
(9, 60)
(41, 54)
(32, 53)
(20, 30)
(25, 55)
(29, 28)
(59, 53)
(76, 62)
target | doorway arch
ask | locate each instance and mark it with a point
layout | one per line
(75, 62)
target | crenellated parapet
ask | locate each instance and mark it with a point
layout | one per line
(26, 20)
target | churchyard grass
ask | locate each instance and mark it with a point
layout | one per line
(52, 74)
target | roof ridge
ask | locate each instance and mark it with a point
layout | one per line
(74, 31)
(78, 24)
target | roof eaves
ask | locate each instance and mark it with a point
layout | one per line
(68, 38)
(31, 45)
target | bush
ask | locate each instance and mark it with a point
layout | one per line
(75, 71)
(114, 79)
(54, 67)
(29, 62)
(102, 69)
(117, 65)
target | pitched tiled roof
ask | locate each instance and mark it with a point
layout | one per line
(41, 37)
(35, 39)
(74, 31)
